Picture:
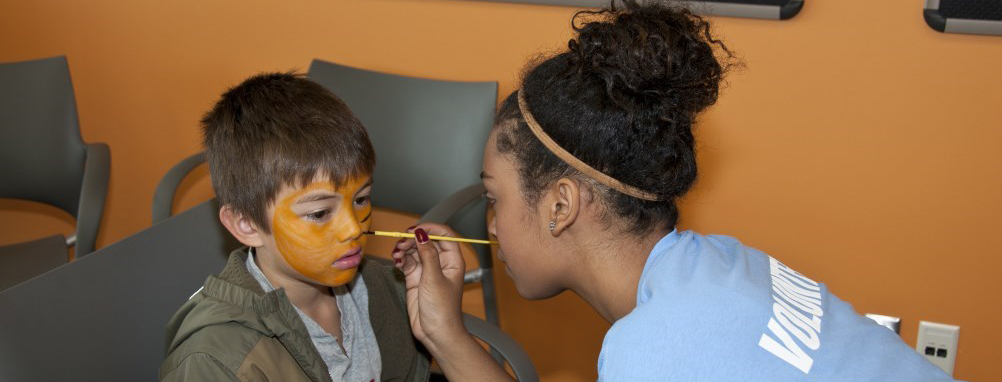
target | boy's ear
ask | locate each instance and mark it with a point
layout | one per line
(241, 227)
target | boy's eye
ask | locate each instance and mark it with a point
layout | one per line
(319, 215)
(362, 200)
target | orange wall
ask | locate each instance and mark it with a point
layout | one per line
(862, 148)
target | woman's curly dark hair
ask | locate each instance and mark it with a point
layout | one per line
(623, 98)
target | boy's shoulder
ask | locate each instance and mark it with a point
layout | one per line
(213, 350)
(230, 328)
(225, 330)
(231, 352)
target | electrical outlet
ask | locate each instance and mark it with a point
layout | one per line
(938, 344)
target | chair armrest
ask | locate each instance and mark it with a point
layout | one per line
(93, 193)
(510, 350)
(443, 210)
(163, 196)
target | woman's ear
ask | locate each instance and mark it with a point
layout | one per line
(241, 227)
(564, 206)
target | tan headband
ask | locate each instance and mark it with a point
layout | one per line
(569, 158)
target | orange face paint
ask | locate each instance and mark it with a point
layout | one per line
(326, 247)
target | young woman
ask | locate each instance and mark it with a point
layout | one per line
(583, 170)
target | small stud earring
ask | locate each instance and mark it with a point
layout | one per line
(553, 225)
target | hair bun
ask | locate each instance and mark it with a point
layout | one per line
(656, 54)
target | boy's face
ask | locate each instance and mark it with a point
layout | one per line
(318, 229)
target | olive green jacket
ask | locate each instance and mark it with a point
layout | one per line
(233, 331)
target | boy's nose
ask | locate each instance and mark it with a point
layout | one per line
(351, 229)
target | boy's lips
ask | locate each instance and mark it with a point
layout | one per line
(349, 260)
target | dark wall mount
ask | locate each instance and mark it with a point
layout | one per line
(964, 16)
(760, 9)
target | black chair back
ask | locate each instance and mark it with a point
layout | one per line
(41, 149)
(103, 317)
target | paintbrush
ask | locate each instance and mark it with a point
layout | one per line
(432, 237)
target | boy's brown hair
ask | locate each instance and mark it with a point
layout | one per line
(278, 129)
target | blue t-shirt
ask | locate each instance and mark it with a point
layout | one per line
(711, 309)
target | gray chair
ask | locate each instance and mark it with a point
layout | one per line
(43, 159)
(121, 299)
(428, 136)
(163, 195)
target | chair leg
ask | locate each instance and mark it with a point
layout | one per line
(490, 297)
(491, 306)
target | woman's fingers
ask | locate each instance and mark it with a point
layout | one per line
(428, 254)
(408, 261)
(430, 258)
(430, 229)
(441, 230)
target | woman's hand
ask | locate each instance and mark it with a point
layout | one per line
(433, 274)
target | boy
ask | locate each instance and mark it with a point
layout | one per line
(291, 167)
